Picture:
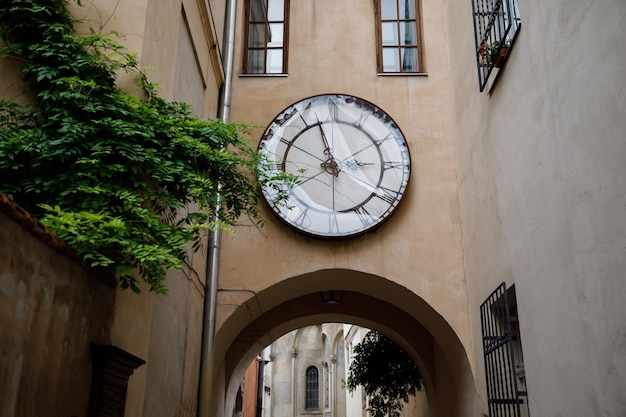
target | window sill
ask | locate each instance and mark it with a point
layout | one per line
(262, 75)
(395, 74)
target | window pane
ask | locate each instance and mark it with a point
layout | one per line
(276, 35)
(391, 60)
(255, 61)
(274, 61)
(256, 37)
(276, 10)
(388, 10)
(390, 33)
(257, 10)
(312, 388)
(409, 60)
(408, 33)
(407, 9)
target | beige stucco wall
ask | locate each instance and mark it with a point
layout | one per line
(542, 189)
(420, 247)
(331, 50)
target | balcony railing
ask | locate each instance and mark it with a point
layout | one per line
(496, 24)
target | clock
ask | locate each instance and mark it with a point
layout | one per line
(350, 160)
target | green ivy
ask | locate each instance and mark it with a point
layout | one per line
(110, 173)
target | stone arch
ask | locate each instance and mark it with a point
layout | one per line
(369, 301)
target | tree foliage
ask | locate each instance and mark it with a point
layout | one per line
(386, 373)
(110, 173)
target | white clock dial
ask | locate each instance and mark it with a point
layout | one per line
(351, 160)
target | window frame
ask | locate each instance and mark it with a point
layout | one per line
(418, 47)
(311, 389)
(247, 48)
(502, 352)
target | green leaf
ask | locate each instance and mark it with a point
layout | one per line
(385, 372)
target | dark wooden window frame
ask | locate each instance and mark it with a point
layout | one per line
(265, 48)
(418, 46)
(312, 389)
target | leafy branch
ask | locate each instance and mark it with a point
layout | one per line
(386, 373)
(112, 174)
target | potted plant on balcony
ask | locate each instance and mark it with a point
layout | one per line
(493, 53)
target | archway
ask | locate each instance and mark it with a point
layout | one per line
(368, 301)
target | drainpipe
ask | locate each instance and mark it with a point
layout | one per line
(260, 386)
(207, 354)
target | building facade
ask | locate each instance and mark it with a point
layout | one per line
(510, 233)
(304, 373)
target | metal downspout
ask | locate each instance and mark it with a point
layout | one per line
(212, 268)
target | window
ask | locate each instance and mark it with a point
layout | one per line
(496, 23)
(312, 388)
(266, 37)
(504, 361)
(399, 38)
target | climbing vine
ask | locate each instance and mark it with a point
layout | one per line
(112, 174)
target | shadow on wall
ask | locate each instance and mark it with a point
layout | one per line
(55, 318)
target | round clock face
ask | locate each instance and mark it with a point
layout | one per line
(351, 162)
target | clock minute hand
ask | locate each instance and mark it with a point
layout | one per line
(354, 164)
(330, 165)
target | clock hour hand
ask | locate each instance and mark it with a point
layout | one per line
(324, 139)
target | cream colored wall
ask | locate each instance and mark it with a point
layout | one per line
(542, 183)
(332, 50)
(126, 18)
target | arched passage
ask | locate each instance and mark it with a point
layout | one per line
(369, 301)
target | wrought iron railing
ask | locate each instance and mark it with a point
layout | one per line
(496, 23)
(506, 388)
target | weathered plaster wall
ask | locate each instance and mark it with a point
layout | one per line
(50, 311)
(542, 182)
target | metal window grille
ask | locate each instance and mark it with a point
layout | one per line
(312, 388)
(506, 393)
(496, 23)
